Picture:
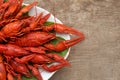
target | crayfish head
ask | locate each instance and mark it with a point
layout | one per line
(10, 30)
(20, 68)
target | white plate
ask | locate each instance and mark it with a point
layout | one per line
(46, 75)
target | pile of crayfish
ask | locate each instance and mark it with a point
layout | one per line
(25, 42)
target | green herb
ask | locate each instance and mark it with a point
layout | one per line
(56, 41)
(48, 23)
(5, 0)
(25, 14)
(23, 6)
(25, 78)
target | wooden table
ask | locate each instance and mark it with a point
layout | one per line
(98, 56)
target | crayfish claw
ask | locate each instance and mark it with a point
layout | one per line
(25, 59)
(44, 19)
(35, 72)
(33, 25)
(69, 43)
(61, 46)
(11, 9)
(20, 68)
(56, 58)
(53, 67)
(60, 28)
(25, 9)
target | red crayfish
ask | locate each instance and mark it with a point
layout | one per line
(25, 42)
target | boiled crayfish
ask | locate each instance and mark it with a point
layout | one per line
(26, 42)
